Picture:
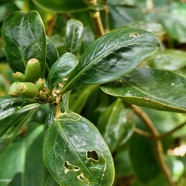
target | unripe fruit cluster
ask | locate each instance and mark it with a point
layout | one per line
(28, 84)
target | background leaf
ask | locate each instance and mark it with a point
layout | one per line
(61, 68)
(116, 124)
(14, 113)
(22, 160)
(157, 89)
(75, 153)
(173, 21)
(144, 164)
(62, 6)
(169, 59)
(23, 39)
(112, 56)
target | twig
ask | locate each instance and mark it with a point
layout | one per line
(51, 25)
(97, 19)
(141, 132)
(157, 143)
(172, 131)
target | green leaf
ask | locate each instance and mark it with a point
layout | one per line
(78, 98)
(74, 32)
(111, 56)
(75, 153)
(122, 15)
(62, 6)
(169, 59)
(174, 21)
(25, 155)
(152, 88)
(61, 68)
(143, 158)
(24, 38)
(116, 124)
(14, 113)
(52, 54)
(87, 38)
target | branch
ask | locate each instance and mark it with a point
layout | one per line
(141, 132)
(172, 131)
(157, 143)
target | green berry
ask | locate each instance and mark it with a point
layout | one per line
(33, 70)
(13, 89)
(40, 83)
(28, 90)
(19, 76)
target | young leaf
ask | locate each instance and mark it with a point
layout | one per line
(61, 68)
(52, 54)
(74, 32)
(111, 56)
(24, 38)
(156, 89)
(75, 153)
(116, 124)
(14, 113)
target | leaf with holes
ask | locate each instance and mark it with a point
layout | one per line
(111, 56)
(14, 113)
(152, 88)
(24, 38)
(75, 153)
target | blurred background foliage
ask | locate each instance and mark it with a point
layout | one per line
(134, 155)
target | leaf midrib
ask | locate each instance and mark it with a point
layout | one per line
(71, 146)
(93, 61)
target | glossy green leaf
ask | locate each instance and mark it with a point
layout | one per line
(14, 113)
(24, 38)
(52, 54)
(74, 32)
(156, 89)
(62, 6)
(169, 59)
(75, 153)
(61, 68)
(112, 56)
(116, 124)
